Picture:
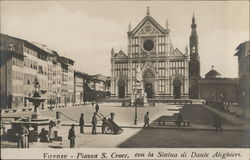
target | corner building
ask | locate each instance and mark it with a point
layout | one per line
(164, 69)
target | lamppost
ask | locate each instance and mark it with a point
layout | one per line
(135, 97)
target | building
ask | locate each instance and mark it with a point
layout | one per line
(67, 81)
(212, 87)
(35, 66)
(90, 87)
(243, 53)
(164, 68)
(102, 83)
(194, 63)
(22, 62)
(12, 64)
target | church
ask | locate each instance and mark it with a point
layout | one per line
(164, 69)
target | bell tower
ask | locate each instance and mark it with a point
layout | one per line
(193, 42)
(194, 63)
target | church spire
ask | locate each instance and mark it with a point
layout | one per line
(129, 27)
(193, 19)
(193, 39)
(112, 52)
(193, 26)
(167, 24)
(148, 12)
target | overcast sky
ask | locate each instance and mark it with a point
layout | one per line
(86, 31)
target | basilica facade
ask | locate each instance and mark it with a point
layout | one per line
(164, 69)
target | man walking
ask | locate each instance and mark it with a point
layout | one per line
(217, 122)
(81, 123)
(96, 107)
(146, 120)
(94, 122)
(72, 136)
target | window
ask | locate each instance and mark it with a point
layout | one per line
(14, 61)
(135, 45)
(161, 72)
(161, 46)
(161, 86)
(11, 47)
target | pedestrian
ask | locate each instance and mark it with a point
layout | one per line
(23, 141)
(81, 123)
(72, 136)
(179, 120)
(51, 133)
(43, 135)
(94, 122)
(93, 104)
(146, 120)
(96, 107)
(217, 122)
(50, 102)
(104, 121)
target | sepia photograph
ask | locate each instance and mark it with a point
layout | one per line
(93, 76)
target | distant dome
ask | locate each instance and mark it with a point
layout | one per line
(212, 74)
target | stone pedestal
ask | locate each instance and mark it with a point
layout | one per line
(140, 94)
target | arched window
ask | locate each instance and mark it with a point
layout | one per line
(11, 47)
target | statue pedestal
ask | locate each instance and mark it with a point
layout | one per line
(140, 96)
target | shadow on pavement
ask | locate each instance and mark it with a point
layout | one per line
(197, 114)
(176, 138)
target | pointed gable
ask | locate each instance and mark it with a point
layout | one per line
(148, 20)
(177, 53)
(120, 54)
(149, 64)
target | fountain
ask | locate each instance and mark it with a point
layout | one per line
(36, 101)
(35, 121)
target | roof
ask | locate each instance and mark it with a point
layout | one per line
(177, 52)
(85, 75)
(65, 60)
(212, 74)
(43, 47)
(33, 45)
(220, 81)
(144, 20)
(242, 48)
(120, 54)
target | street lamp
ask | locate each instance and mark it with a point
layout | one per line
(135, 96)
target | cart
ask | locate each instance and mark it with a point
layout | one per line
(108, 125)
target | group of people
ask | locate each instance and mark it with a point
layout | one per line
(72, 135)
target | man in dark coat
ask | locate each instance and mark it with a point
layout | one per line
(217, 122)
(81, 123)
(96, 107)
(23, 141)
(94, 122)
(72, 136)
(179, 120)
(146, 120)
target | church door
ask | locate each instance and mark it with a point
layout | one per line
(121, 88)
(121, 91)
(177, 88)
(149, 90)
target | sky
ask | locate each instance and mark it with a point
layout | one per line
(86, 31)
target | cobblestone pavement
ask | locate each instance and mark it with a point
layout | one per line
(135, 136)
